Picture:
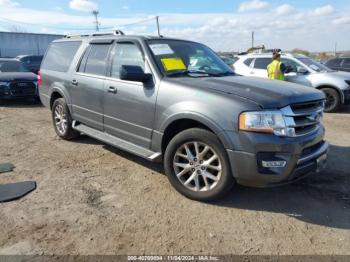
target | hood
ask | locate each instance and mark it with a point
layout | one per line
(267, 93)
(19, 76)
(339, 74)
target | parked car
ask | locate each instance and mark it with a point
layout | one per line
(154, 97)
(339, 64)
(229, 61)
(16, 81)
(32, 62)
(305, 71)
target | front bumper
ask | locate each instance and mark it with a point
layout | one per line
(346, 96)
(303, 155)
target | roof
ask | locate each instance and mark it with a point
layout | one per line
(113, 36)
(285, 54)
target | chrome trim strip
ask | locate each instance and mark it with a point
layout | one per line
(322, 150)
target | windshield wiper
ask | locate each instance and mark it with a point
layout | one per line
(202, 73)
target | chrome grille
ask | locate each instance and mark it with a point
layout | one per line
(304, 118)
(22, 88)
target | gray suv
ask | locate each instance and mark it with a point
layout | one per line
(176, 101)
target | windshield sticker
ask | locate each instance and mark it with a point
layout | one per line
(161, 49)
(171, 64)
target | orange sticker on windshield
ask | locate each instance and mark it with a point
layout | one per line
(171, 64)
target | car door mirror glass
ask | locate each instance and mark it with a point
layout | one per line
(134, 73)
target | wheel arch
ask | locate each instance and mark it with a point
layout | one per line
(179, 123)
(340, 93)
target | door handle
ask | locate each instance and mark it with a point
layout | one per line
(74, 82)
(112, 90)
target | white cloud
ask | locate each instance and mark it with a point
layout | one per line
(125, 7)
(252, 5)
(285, 9)
(342, 20)
(8, 3)
(83, 5)
(323, 10)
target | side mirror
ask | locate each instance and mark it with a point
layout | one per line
(134, 73)
(302, 70)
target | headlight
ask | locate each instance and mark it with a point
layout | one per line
(265, 122)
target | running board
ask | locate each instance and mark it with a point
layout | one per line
(117, 142)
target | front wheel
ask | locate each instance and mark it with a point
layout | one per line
(197, 165)
(332, 100)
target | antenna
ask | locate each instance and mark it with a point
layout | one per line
(97, 24)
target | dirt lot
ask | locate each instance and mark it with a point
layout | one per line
(93, 199)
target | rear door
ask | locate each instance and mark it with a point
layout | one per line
(129, 106)
(87, 85)
(260, 67)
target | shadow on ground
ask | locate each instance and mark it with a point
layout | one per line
(322, 199)
(21, 103)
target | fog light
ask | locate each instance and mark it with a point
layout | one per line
(270, 164)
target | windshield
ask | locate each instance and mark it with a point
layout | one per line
(12, 66)
(182, 58)
(315, 65)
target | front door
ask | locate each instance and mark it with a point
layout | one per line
(294, 76)
(129, 106)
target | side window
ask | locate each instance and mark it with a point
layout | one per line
(262, 63)
(60, 55)
(126, 54)
(248, 61)
(96, 62)
(346, 63)
(334, 62)
(82, 64)
(290, 63)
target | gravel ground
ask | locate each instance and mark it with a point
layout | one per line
(94, 199)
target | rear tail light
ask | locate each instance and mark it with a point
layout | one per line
(40, 80)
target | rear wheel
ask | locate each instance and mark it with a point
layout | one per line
(197, 165)
(332, 99)
(62, 120)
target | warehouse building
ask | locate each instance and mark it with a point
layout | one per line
(13, 44)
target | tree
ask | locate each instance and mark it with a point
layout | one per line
(300, 51)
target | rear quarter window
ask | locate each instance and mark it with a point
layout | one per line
(60, 55)
(248, 61)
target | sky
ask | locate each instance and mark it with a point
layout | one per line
(224, 25)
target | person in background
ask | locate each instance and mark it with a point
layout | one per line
(276, 69)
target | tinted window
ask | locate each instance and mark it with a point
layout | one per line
(248, 61)
(97, 60)
(83, 60)
(333, 63)
(346, 63)
(262, 63)
(12, 66)
(290, 63)
(126, 54)
(60, 56)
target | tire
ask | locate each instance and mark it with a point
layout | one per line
(62, 120)
(332, 100)
(201, 187)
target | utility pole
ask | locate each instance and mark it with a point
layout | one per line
(252, 39)
(97, 24)
(157, 20)
(335, 49)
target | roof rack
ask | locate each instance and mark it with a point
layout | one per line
(114, 32)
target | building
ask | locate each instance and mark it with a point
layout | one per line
(13, 44)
